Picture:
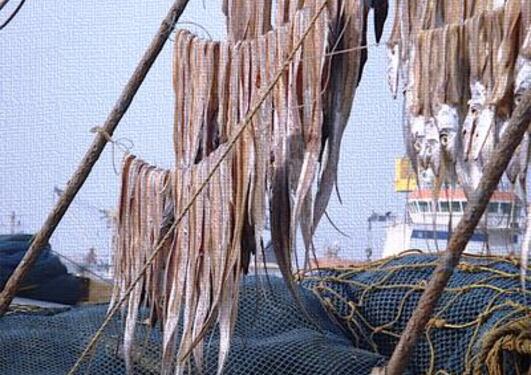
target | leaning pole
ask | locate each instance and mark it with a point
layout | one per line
(493, 171)
(92, 155)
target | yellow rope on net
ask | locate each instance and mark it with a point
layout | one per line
(514, 337)
(503, 333)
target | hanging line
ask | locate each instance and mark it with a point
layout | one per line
(204, 29)
(123, 144)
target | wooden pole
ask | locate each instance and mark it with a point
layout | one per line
(3, 3)
(12, 15)
(492, 173)
(92, 155)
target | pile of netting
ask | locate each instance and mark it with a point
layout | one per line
(482, 323)
(272, 336)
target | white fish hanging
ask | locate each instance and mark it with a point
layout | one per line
(411, 17)
(482, 123)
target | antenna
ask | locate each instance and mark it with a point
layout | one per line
(14, 223)
(109, 215)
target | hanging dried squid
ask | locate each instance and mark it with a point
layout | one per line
(225, 79)
(145, 194)
(274, 165)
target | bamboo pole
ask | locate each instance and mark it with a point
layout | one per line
(92, 155)
(492, 173)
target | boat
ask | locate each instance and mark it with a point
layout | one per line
(428, 223)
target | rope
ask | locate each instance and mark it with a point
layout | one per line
(514, 337)
(125, 148)
(354, 308)
(91, 345)
(198, 25)
(16, 309)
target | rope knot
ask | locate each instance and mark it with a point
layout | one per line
(466, 267)
(437, 323)
(124, 144)
(102, 132)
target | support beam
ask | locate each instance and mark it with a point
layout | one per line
(92, 155)
(492, 173)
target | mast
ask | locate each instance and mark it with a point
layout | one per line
(14, 223)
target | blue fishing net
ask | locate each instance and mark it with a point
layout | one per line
(481, 326)
(272, 336)
(484, 297)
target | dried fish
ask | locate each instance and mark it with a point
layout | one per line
(270, 156)
(345, 72)
(431, 110)
(451, 98)
(247, 19)
(467, 39)
(481, 125)
(195, 284)
(280, 213)
(412, 16)
(142, 199)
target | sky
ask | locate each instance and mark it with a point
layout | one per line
(64, 63)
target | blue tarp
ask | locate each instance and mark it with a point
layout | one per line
(48, 279)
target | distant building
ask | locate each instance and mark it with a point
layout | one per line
(91, 258)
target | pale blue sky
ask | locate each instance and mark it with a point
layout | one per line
(64, 63)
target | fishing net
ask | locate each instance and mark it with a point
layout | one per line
(272, 336)
(481, 325)
(482, 322)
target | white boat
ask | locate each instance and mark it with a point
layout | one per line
(428, 225)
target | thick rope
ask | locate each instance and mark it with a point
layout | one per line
(514, 336)
(91, 345)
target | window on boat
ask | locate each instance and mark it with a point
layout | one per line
(456, 207)
(445, 206)
(516, 212)
(423, 206)
(505, 208)
(464, 205)
(493, 208)
(412, 207)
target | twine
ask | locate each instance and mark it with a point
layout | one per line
(124, 144)
(513, 336)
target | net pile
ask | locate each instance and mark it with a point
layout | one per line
(482, 323)
(271, 336)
